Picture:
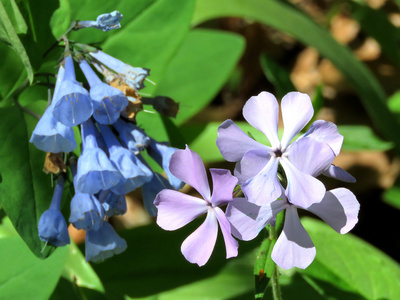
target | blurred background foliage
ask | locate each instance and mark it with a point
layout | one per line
(210, 56)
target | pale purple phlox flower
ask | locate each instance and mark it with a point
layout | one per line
(257, 164)
(176, 209)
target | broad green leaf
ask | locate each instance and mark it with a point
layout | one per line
(277, 75)
(15, 16)
(199, 69)
(360, 137)
(15, 42)
(381, 29)
(25, 191)
(153, 37)
(78, 281)
(192, 79)
(352, 263)
(23, 275)
(153, 265)
(301, 27)
(61, 19)
(12, 71)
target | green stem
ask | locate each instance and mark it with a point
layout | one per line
(276, 289)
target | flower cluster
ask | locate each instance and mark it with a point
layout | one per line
(110, 164)
(273, 178)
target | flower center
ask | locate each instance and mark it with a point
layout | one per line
(278, 152)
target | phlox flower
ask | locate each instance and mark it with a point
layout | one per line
(176, 209)
(258, 164)
(294, 248)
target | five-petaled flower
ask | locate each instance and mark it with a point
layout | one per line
(176, 209)
(257, 164)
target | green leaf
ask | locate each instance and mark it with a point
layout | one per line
(277, 75)
(300, 26)
(15, 42)
(25, 276)
(189, 73)
(25, 191)
(12, 71)
(61, 19)
(359, 137)
(372, 275)
(79, 280)
(15, 16)
(199, 69)
(392, 196)
(153, 265)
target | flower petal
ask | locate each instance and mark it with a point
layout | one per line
(302, 190)
(187, 166)
(233, 143)
(248, 219)
(326, 132)
(294, 247)
(264, 188)
(223, 185)
(262, 112)
(339, 209)
(310, 156)
(198, 246)
(176, 209)
(339, 174)
(251, 164)
(297, 111)
(231, 244)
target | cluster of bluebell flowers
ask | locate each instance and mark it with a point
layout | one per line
(267, 190)
(110, 164)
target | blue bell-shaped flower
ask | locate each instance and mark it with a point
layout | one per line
(132, 136)
(95, 170)
(103, 243)
(50, 135)
(52, 226)
(133, 76)
(73, 105)
(133, 170)
(108, 101)
(113, 204)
